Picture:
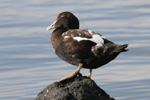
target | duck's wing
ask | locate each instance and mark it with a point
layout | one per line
(81, 44)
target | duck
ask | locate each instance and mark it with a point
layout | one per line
(83, 48)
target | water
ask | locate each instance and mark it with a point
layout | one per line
(28, 64)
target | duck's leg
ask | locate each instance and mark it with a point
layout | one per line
(73, 74)
(90, 73)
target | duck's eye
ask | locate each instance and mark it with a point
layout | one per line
(63, 17)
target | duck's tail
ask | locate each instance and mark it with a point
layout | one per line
(121, 48)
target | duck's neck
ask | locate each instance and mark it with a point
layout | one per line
(56, 37)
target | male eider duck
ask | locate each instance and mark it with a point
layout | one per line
(81, 47)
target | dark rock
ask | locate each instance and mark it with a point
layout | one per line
(77, 88)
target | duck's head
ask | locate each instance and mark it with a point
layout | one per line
(65, 20)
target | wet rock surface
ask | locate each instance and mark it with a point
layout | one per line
(77, 88)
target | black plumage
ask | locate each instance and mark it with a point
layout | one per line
(84, 48)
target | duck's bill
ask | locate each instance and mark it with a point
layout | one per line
(52, 26)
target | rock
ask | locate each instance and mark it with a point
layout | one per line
(77, 88)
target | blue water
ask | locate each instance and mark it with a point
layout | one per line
(28, 64)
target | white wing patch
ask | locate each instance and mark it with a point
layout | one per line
(96, 38)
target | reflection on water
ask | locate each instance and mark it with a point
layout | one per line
(28, 63)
